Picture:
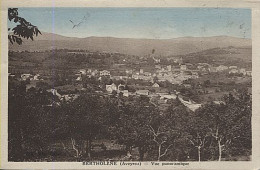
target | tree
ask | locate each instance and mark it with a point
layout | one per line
(133, 127)
(161, 138)
(23, 29)
(83, 120)
(29, 121)
(199, 135)
(175, 120)
(229, 122)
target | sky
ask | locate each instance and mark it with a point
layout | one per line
(150, 23)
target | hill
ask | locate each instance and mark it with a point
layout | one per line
(239, 56)
(164, 47)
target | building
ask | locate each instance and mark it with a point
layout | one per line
(221, 68)
(83, 71)
(158, 67)
(168, 96)
(79, 78)
(212, 69)
(125, 93)
(156, 85)
(142, 92)
(169, 68)
(135, 76)
(187, 85)
(111, 88)
(104, 73)
(200, 67)
(147, 74)
(129, 71)
(232, 67)
(249, 73)
(36, 77)
(54, 92)
(183, 67)
(141, 71)
(89, 71)
(121, 87)
(233, 71)
(243, 71)
(25, 76)
(94, 72)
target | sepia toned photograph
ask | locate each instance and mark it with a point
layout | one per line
(129, 84)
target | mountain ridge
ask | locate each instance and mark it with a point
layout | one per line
(131, 46)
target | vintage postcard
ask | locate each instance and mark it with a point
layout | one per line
(130, 84)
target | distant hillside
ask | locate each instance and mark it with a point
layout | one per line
(165, 47)
(240, 56)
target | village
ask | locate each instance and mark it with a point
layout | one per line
(162, 83)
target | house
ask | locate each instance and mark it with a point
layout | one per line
(83, 71)
(129, 71)
(121, 87)
(31, 85)
(243, 71)
(25, 76)
(199, 67)
(11, 75)
(155, 59)
(147, 74)
(104, 73)
(156, 85)
(190, 104)
(249, 73)
(135, 76)
(94, 73)
(142, 92)
(183, 67)
(141, 71)
(212, 69)
(187, 85)
(221, 68)
(54, 92)
(89, 71)
(233, 71)
(232, 67)
(168, 96)
(125, 93)
(68, 97)
(158, 67)
(79, 78)
(36, 77)
(120, 77)
(169, 68)
(111, 88)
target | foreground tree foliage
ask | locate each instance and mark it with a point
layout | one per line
(22, 28)
(133, 125)
(42, 127)
(30, 122)
(226, 127)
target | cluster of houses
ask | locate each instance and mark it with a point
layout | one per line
(161, 73)
(65, 97)
(205, 67)
(173, 74)
(26, 76)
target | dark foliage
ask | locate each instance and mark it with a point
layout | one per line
(23, 28)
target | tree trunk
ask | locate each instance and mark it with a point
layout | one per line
(89, 148)
(159, 152)
(73, 142)
(219, 150)
(199, 153)
(128, 149)
(141, 153)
